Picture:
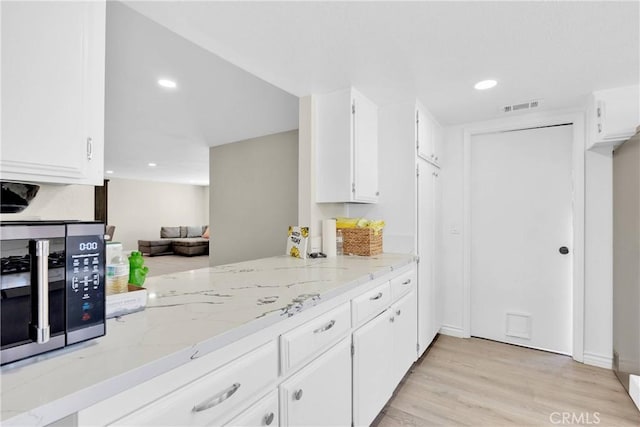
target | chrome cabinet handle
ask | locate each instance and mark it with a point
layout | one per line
(392, 319)
(89, 148)
(297, 395)
(40, 330)
(268, 419)
(217, 399)
(398, 312)
(325, 327)
(406, 282)
(378, 296)
(599, 127)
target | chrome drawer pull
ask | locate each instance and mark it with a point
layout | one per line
(217, 399)
(406, 282)
(268, 419)
(325, 327)
(376, 297)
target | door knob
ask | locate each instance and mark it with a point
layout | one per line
(564, 250)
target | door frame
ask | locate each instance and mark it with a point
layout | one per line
(577, 119)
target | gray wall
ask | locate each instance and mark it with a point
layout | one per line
(253, 197)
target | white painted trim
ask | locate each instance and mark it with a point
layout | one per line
(521, 122)
(598, 360)
(634, 389)
(452, 331)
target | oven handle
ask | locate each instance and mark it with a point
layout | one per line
(40, 330)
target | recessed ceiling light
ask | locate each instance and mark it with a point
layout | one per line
(485, 84)
(109, 172)
(167, 83)
(152, 165)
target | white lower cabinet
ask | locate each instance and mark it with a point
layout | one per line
(213, 397)
(372, 353)
(404, 337)
(262, 413)
(383, 351)
(320, 393)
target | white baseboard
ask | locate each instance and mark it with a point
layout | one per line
(452, 331)
(597, 360)
(634, 389)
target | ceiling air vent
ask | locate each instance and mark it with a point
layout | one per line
(521, 106)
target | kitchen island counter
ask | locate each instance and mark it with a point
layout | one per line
(188, 314)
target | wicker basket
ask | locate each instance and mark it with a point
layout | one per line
(361, 241)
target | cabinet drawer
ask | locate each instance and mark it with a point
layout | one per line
(402, 284)
(305, 340)
(263, 413)
(370, 303)
(215, 395)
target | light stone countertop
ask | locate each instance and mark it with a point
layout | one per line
(188, 312)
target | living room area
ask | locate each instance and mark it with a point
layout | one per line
(173, 216)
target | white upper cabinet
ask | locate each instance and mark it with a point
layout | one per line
(613, 116)
(53, 64)
(346, 148)
(428, 136)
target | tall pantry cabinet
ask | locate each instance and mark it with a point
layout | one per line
(428, 139)
(410, 142)
(53, 65)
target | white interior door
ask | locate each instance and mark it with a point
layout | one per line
(521, 215)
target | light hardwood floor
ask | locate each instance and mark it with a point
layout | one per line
(477, 382)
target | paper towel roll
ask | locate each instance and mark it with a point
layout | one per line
(329, 237)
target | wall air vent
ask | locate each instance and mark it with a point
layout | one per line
(521, 106)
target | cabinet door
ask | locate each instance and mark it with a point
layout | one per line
(263, 413)
(53, 91)
(426, 251)
(436, 282)
(614, 115)
(372, 368)
(404, 335)
(320, 394)
(365, 149)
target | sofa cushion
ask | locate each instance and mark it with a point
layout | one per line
(191, 241)
(194, 231)
(157, 242)
(170, 232)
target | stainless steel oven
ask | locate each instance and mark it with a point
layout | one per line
(52, 290)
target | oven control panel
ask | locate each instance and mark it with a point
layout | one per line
(85, 281)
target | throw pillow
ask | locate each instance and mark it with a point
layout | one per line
(205, 235)
(194, 231)
(170, 232)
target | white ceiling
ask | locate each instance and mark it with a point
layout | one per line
(391, 51)
(214, 103)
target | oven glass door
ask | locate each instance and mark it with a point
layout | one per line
(19, 300)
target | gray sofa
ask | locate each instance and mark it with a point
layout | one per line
(183, 240)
